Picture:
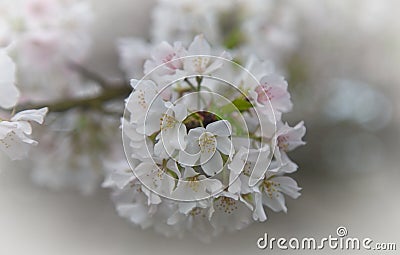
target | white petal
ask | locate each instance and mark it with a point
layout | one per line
(259, 212)
(218, 62)
(224, 145)
(239, 161)
(6, 127)
(276, 202)
(195, 133)
(31, 115)
(189, 172)
(16, 145)
(262, 163)
(178, 138)
(288, 186)
(214, 165)
(180, 112)
(9, 93)
(199, 46)
(188, 159)
(235, 184)
(220, 128)
(172, 165)
(186, 207)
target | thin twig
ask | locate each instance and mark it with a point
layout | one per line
(90, 75)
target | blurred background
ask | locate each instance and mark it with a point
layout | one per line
(344, 78)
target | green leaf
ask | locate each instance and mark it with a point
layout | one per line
(236, 105)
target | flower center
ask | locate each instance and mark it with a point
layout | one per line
(283, 142)
(207, 143)
(194, 183)
(270, 187)
(200, 64)
(226, 204)
(167, 122)
(141, 100)
(196, 212)
(264, 93)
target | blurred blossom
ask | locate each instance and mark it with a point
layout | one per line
(73, 150)
(133, 52)
(44, 37)
(357, 102)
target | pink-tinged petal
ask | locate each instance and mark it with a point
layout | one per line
(290, 138)
(273, 91)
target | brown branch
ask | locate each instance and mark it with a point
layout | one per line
(63, 105)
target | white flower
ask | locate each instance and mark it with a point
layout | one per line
(193, 187)
(173, 132)
(206, 145)
(141, 99)
(157, 176)
(194, 221)
(273, 95)
(272, 189)
(199, 60)
(253, 163)
(231, 212)
(287, 139)
(14, 134)
(165, 59)
(9, 93)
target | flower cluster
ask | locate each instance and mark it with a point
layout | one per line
(49, 40)
(44, 37)
(206, 143)
(265, 28)
(15, 130)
